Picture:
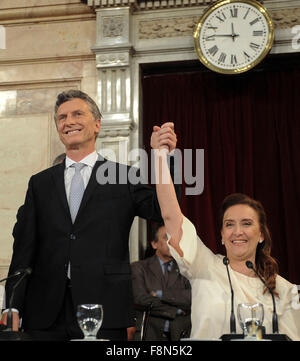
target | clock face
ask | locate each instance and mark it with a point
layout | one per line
(234, 36)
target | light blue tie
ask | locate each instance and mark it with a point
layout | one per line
(76, 190)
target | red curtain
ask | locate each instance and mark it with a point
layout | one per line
(249, 128)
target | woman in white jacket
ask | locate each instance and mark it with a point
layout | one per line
(245, 236)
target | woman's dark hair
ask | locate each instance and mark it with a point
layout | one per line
(265, 264)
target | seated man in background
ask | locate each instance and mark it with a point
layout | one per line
(158, 285)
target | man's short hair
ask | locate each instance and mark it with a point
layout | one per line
(155, 230)
(74, 94)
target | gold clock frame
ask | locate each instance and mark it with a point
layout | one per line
(211, 9)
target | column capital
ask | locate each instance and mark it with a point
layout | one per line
(100, 4)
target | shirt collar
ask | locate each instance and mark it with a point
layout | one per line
(162, 262)
(89, 160)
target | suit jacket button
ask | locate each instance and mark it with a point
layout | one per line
(72, 236)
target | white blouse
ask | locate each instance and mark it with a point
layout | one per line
(211, 295)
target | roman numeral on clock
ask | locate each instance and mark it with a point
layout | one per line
(221, 18)
(233, 60)
(254, 21)
(234, 12)
(210, 38)
(247, 56)
(254, 46)
(212, 27)
(246, 14)
(213, 50)
(222, 58)
(258, 33)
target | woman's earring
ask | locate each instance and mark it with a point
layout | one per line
(260, 241)
(223, 242)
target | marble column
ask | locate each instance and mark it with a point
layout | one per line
(113, 51)
(113, 57)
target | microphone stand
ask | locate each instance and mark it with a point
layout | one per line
(276, 336)
(9, 313)
(146, 321)
(232, 317)
(145, 318)
(17, 273)
(8, 334)
(233, 335)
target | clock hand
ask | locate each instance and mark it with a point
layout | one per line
(233, 34)
(226, 35)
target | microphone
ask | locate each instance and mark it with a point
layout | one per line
(24, 272)
(249, 264)
(17, 273)
(232, 317)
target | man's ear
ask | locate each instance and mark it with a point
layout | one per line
(154, 245)
(98, 123)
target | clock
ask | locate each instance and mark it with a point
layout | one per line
(233, 36)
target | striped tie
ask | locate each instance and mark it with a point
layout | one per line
(166, 274)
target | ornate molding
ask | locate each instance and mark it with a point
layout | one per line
(167, 28)
(285, 18)
(170, 27)
(114, 130)
(146, 4)
(48, 59)
(85, 9)
(168, 4)
(112, 58)
(113, 26)
(140, 5)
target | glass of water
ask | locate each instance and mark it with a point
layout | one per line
(90, 317)
(250, 317)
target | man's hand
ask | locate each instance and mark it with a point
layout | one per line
(164, 137)
(153, 293)
(15, 320)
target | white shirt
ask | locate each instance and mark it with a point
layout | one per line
(86, 172)
(211, 296)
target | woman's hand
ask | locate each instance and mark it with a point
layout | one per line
(164, 137)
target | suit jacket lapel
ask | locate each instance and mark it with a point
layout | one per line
(90, 186)
(59, 180)
(155, 267)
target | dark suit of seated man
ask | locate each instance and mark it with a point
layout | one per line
(158, 284)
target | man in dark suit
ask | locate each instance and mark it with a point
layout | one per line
(74, 232)
(158, 286)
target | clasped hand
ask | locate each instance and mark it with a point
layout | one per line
(164, 137)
